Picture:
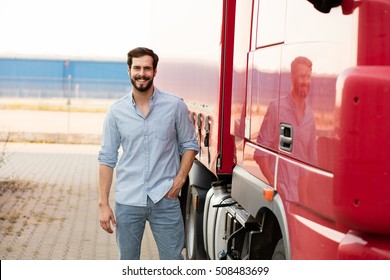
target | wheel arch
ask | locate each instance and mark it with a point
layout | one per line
(277, 215)
(247, 190)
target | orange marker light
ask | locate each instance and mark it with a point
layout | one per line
(268, 194)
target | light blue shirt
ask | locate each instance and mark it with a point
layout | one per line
(151, 146)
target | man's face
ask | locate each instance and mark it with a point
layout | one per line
(301, 80)
(141, 73)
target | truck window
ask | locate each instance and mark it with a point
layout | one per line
(325, 40)
(276, 128)
(329, 41)
(270, 22)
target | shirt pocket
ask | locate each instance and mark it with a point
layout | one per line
(164, 129)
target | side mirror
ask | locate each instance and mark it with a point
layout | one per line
(324, 6)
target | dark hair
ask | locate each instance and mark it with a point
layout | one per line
(141, 51)
(300, 60)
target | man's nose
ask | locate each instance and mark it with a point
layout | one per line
(141, 71)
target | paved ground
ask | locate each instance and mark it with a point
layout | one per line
(49, 211)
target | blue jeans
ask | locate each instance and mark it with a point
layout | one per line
(165, 221)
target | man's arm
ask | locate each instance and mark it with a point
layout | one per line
(186, 162)
(106, 213)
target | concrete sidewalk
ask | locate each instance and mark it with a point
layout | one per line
(50, 212)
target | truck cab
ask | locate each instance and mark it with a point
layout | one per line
(300, 167)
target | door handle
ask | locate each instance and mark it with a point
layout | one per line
(286, 137)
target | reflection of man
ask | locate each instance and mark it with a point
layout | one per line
(293, 110)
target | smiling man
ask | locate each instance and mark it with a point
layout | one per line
(159, 146)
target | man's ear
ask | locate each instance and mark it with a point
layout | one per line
(155, 72)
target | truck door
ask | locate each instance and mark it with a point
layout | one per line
(295, 50)
(264, 61)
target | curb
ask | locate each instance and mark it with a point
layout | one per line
(57, 138)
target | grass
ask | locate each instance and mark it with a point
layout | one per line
(14, 186)
(11, 197)
(14, 215)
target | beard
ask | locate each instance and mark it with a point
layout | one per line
(142, 88)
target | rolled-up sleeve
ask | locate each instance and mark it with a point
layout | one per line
(108, 154)
(185, 130)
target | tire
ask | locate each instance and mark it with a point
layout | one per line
(194, 224)
(279, 252)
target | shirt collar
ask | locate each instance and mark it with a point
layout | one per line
(292, 102)
(153, 98)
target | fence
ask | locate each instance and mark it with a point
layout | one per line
(32, 87)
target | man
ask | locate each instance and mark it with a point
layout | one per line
(294, 111)
(159, 146)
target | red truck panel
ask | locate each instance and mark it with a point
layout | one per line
(362, 173)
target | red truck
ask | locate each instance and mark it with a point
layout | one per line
(294, 160)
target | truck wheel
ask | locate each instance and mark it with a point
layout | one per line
(194, 224)
(279, 253)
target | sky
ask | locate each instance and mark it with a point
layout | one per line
(109, 29)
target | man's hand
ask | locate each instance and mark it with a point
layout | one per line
(106, 218)
(186, 162)
(173, 193)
